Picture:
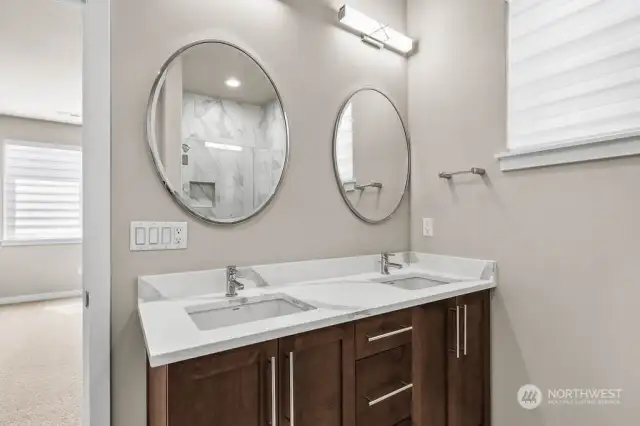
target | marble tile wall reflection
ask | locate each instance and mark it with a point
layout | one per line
(269, 161)
(244, 177)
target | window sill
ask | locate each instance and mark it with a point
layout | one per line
(569, 153)
(19, 243)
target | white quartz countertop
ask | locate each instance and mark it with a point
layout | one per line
(171, 335)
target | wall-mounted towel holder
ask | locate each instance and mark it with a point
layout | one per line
(356, 187)
(472, 171)
(369, 185)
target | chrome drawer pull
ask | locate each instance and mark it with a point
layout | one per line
(465, 330)
(274, 404)
(292, 412)
(391, 333)
(406, 387)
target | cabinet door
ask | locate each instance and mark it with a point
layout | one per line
(429, 340)
(227, 389)
(317, 378)
(468, 360)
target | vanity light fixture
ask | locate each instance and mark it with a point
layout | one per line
(76, 2)
(233, 82)
(223, 146)
(374, 32)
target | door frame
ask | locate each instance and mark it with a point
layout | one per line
(96, 205)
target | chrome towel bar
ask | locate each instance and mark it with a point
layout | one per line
(472, 171)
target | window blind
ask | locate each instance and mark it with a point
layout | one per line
(574, 71)
(344, 146)
(42, 192)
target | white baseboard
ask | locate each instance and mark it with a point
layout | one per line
(39, 297)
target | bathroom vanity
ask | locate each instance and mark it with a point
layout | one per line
(340, 342)
(321, 343)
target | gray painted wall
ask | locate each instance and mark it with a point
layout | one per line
(316, 65)
(28, 270)
(566, 238)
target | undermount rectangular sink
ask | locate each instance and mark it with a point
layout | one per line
(414, 282)
(242, 310)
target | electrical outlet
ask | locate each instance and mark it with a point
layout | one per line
(180, 235)
(427, 227)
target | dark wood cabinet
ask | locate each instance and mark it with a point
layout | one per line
(424, 366)
(468, 360)
(317, 378)
(227, 389)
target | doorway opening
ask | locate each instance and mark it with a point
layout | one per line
(41, 192)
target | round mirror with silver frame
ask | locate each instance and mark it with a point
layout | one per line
(371, 155)
(217, 132)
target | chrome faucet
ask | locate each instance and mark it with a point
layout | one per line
(232, 284)
(385, 264)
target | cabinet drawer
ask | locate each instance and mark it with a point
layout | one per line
(384, 387)
(382, 332)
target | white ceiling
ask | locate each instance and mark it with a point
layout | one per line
(41, 55)
(206, 67)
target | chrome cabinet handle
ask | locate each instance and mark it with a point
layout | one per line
(291, 391)
(465, 330)
(274, 417)
(392, 333)
(405, 387)
(457, 331)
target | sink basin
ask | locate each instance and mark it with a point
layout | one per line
(414, 282)
(242, 310)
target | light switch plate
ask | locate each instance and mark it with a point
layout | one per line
(427, 227)
(147, 236)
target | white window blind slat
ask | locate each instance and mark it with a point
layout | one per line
(538, 18)
(531, 123)
(42, 194)
(576, 62)
(46, 207)
(574, 71)
(617, 81)
(40, 154)
(600, 29)
(519, 6)
(45, 214)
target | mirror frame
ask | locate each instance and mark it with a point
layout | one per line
(150, 134)
(335, 158)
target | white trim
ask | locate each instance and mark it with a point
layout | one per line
(53, 118)
(96, 203)
(574, 152)
(39, 297)
(43, 242)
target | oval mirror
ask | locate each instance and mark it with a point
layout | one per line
(218, 132)
(371, 155)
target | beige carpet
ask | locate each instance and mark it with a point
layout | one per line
(41, 363)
